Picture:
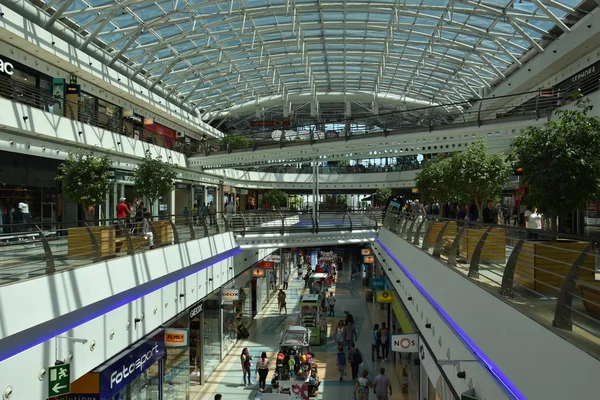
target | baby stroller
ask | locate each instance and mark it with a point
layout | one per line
(242, 332)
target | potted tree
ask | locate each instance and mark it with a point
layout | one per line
(382, 194)
(480, 176)
(436, 183)
(86, 179)
(275, 198)
(560, 164)
(153, 178)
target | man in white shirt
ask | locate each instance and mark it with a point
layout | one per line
(533, 220)
(331, 303)
(24, 207)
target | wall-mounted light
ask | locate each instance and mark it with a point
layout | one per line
(409, 298)
(80, 133)
(137, 320)
(25, 118)
(461, 375)
(428, 325)
(181, 295)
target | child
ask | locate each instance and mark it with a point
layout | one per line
(341, 361)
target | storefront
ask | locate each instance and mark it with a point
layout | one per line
(133, 126)
(433, 382)
(30, 181)
(211, 344)
(182, 198)
(143, 363)
(25, 85)
(161, 135)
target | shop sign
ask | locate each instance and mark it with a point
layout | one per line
(258, 273)
(180, 185)
(176, 337)
(244, 192)
(365, 252)
(407, 343)
(73, 89)
(196, 309)
(378, 283)
(120, 373)
(127, 112)
(148, 121)
(199, 188)
(6, 67)
(584, 74)
(275, 258)
(266, 264)
(368, 259)
(384, 296)
(59, 382)
(230, 294)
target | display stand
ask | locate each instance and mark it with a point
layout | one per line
(310, 316)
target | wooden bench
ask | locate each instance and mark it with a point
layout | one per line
(593, 295)
(138, 242)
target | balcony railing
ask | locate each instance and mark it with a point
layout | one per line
(44, 100)
(474, 112)
(36, 249)
(553, 278)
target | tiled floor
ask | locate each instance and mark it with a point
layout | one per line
(264, 336)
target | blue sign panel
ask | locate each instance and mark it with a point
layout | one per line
(377, 283)
(118, 374)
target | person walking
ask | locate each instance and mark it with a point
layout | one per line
(341, 361)
(339, 333)
(361, 390)
(375, 342)
(349, 317)
(245, 360)
(350, 334)
(381, 386)
(355, 357)
(281, 301)
(212, 210)
(286, 279)
(262, 368)
(384, 333)
(331, 303)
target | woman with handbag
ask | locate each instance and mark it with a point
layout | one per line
(246, 359)
(262, 369)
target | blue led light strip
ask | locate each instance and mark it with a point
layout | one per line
(24, 340)
(508, 386)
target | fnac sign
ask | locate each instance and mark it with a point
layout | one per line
(6, 67)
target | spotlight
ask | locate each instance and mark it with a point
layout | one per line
(428, 325)
(461, 375)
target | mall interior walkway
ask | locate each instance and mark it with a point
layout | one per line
(264, 336)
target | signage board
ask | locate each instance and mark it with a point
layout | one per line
(365, 252)
(258, 272)
(72, 79)
(59, 380)
(196, 309)
(384, 296)
(127, 112)
(120, 373)
(368, 259)
(76, 396)
(230, 294)
(176, 337)
(148, 121)
(406, 343)
(73, 89)
(180, 185)
(266, 264)
(275, 258)
(378, 283)
(6, 67)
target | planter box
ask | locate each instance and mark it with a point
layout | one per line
(164, 232)
(494, 249)
(449, 233)
(555, 259)
(79, 243)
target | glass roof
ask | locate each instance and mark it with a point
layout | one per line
(216, 54)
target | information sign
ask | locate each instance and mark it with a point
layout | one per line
(59, 380)
(378, 283)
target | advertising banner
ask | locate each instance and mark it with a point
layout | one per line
(176, 337)
(407, 343)
(258, 272)
(266, 264)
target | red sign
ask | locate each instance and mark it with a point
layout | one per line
(270, 123)
(266, 264)
(162, 130)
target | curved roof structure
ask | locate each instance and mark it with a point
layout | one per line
(214, 54)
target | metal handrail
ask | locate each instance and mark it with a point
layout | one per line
(547, 293)
(471, 113)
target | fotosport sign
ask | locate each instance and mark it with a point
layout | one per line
(407, 343)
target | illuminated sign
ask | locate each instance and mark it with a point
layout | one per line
(365, 252)
(368, 259)
(258, 273)
(266, 264)
(383, 296)
(408, 343)
(230, 294)
(6, 67)
(176, 337)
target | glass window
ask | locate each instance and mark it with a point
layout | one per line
(212, 338)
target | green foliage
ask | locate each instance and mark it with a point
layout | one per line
(436, 181)
(560, 160)
(296, 201)
(236, 140)
(275, 198)
(382, 195)
(479, 176)
(153, 178)
(86, 179)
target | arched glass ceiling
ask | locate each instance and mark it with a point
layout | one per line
(215, 54)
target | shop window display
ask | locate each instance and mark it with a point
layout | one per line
(177, 361)
(212, 339)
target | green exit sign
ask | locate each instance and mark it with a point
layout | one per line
(59, 382)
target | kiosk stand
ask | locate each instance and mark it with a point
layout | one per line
(310, 316)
